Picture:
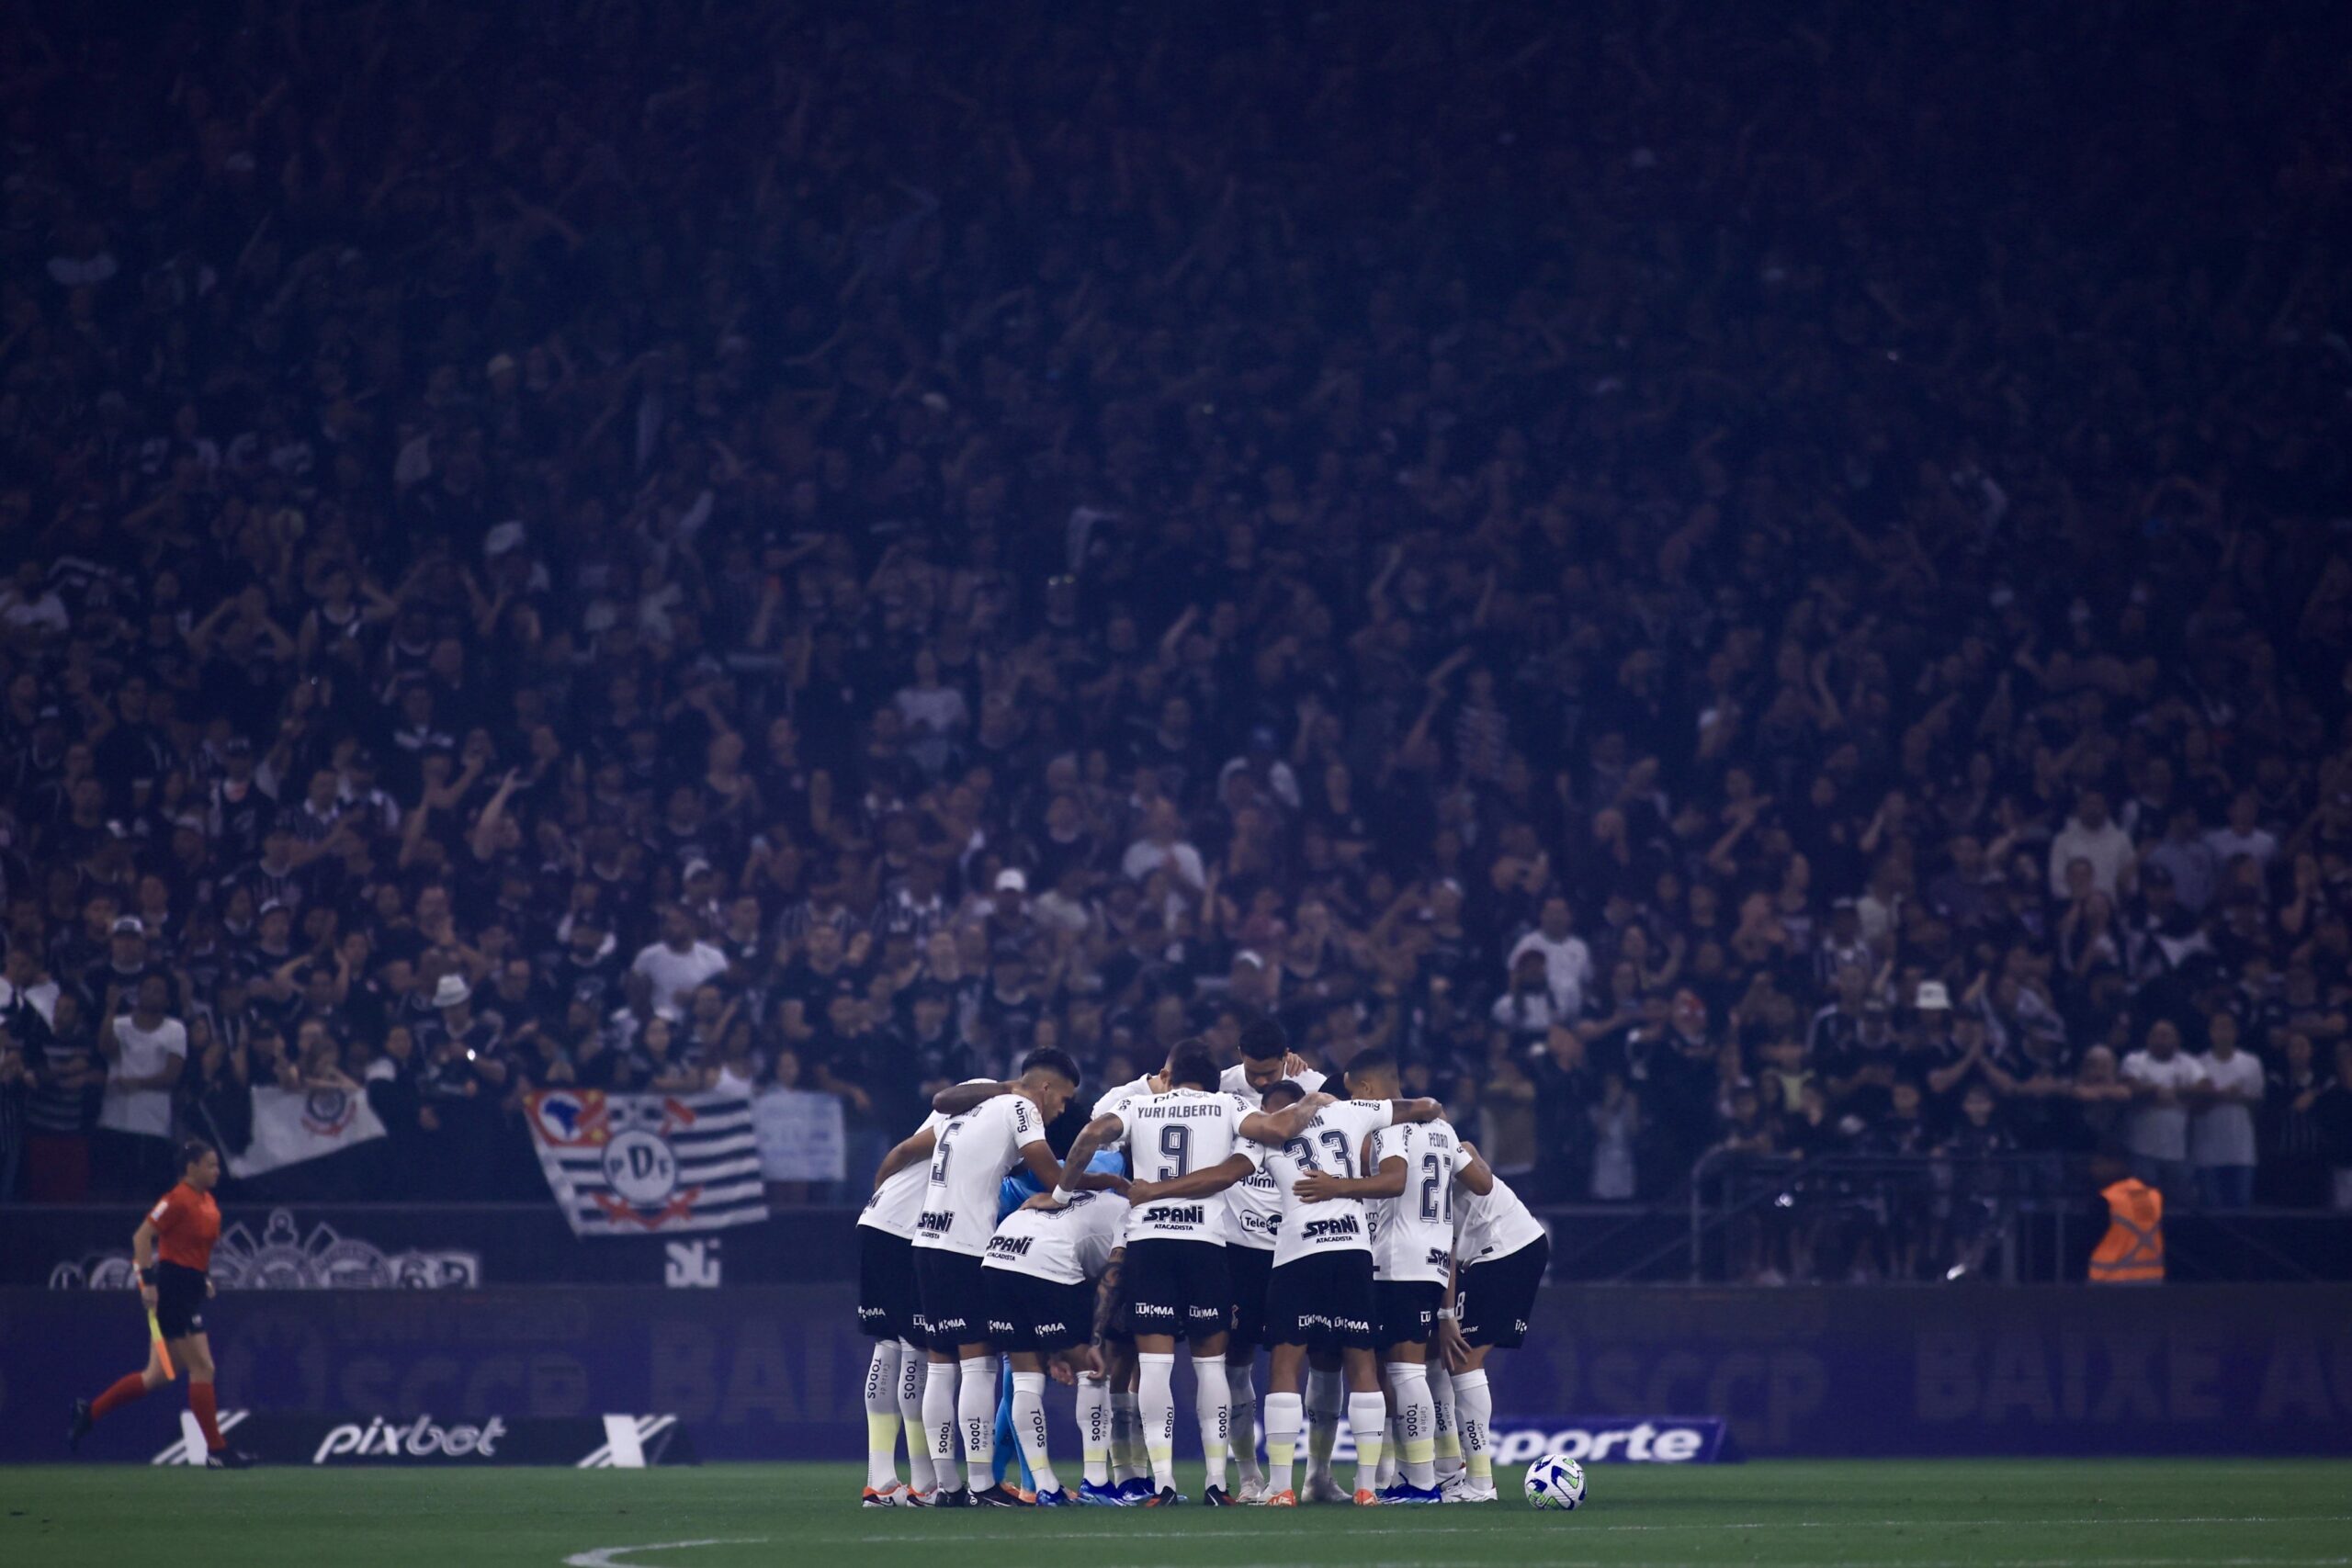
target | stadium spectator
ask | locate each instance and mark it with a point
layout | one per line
(947, 542)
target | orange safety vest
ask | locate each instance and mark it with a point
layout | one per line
(2132, 1250)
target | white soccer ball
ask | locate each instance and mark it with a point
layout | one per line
(1555, 1481)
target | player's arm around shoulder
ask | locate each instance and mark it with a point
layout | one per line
(1281, 1126)
(958, 1097)
(1101, 1133)
(1471, 1170)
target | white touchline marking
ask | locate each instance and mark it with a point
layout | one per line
(1921, 1526)
(610, 1556)
(1929, 1562)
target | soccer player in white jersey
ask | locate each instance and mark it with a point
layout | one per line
(1120, 1372)
(1176, 1283)
(1318, 1298)
(890, 1309)
(969, 1159)
(1041, 1270)
(1501, 1254)
(1252, 1211)
(1416, 1166)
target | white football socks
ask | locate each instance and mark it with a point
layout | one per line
(1368, 1419)
(912, 1363)
(1473, 1405)
(1449, 1435)
(1156, 1396)
(1094, 1430)
(976, 1407)
(938, 1421)
(1284, 1413)
(1325, 1395)
(1213, 1404)
(882, 1416)
(1029, 1427)
(1241, 1385)
(1127, 1459)
(1416, 1422)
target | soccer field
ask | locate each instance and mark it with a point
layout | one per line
(2025, 1514)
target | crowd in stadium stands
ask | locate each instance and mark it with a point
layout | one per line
(653, 545)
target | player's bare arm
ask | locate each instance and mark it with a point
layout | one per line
(1091, 1181)
(958, 1097)
(1318, 1187)
(1106, 1294)
(1098, 1135)
(1039, 1159)
(909, 1151)
(1476, 1176)
(1281, 1126)
(1203, 1183)
(1449, 1341)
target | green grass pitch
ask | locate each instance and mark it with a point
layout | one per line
(2023, 1514)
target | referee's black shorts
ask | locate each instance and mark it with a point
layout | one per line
(179, 1300)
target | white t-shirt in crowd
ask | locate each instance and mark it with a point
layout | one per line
(1144, 857)
(1567, 969)
(144, 1051)
(2223, 1134)
(675, 975)
(2160, 1131)
(2109, 849)
(2228, 844)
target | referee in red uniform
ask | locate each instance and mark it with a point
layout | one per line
(173, 1248)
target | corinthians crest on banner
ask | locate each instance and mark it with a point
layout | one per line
(286, 1257)
(294, 1125)
(636, 1164)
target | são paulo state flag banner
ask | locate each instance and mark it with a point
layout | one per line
(641, 1164)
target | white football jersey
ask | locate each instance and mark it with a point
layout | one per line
(1112, 1098)
(1333, 1144)
(967, 1164)
(898, 1202)
(1495, 1225)
(1066, 1245)
(1174, 1134)
(1412, 1235)
(1235, 1079)
(1254, 1205)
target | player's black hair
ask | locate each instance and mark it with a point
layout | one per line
(1053, 1059)
(1263, 1039)
(1190, 1065)
(1370, 1063)
(192, 1152)
(1284, 1094)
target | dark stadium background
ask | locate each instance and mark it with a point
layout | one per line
(1833, 517)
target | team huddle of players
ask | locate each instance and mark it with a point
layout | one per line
(1358, 1241)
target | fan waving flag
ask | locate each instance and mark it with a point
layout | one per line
(635, 1163)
